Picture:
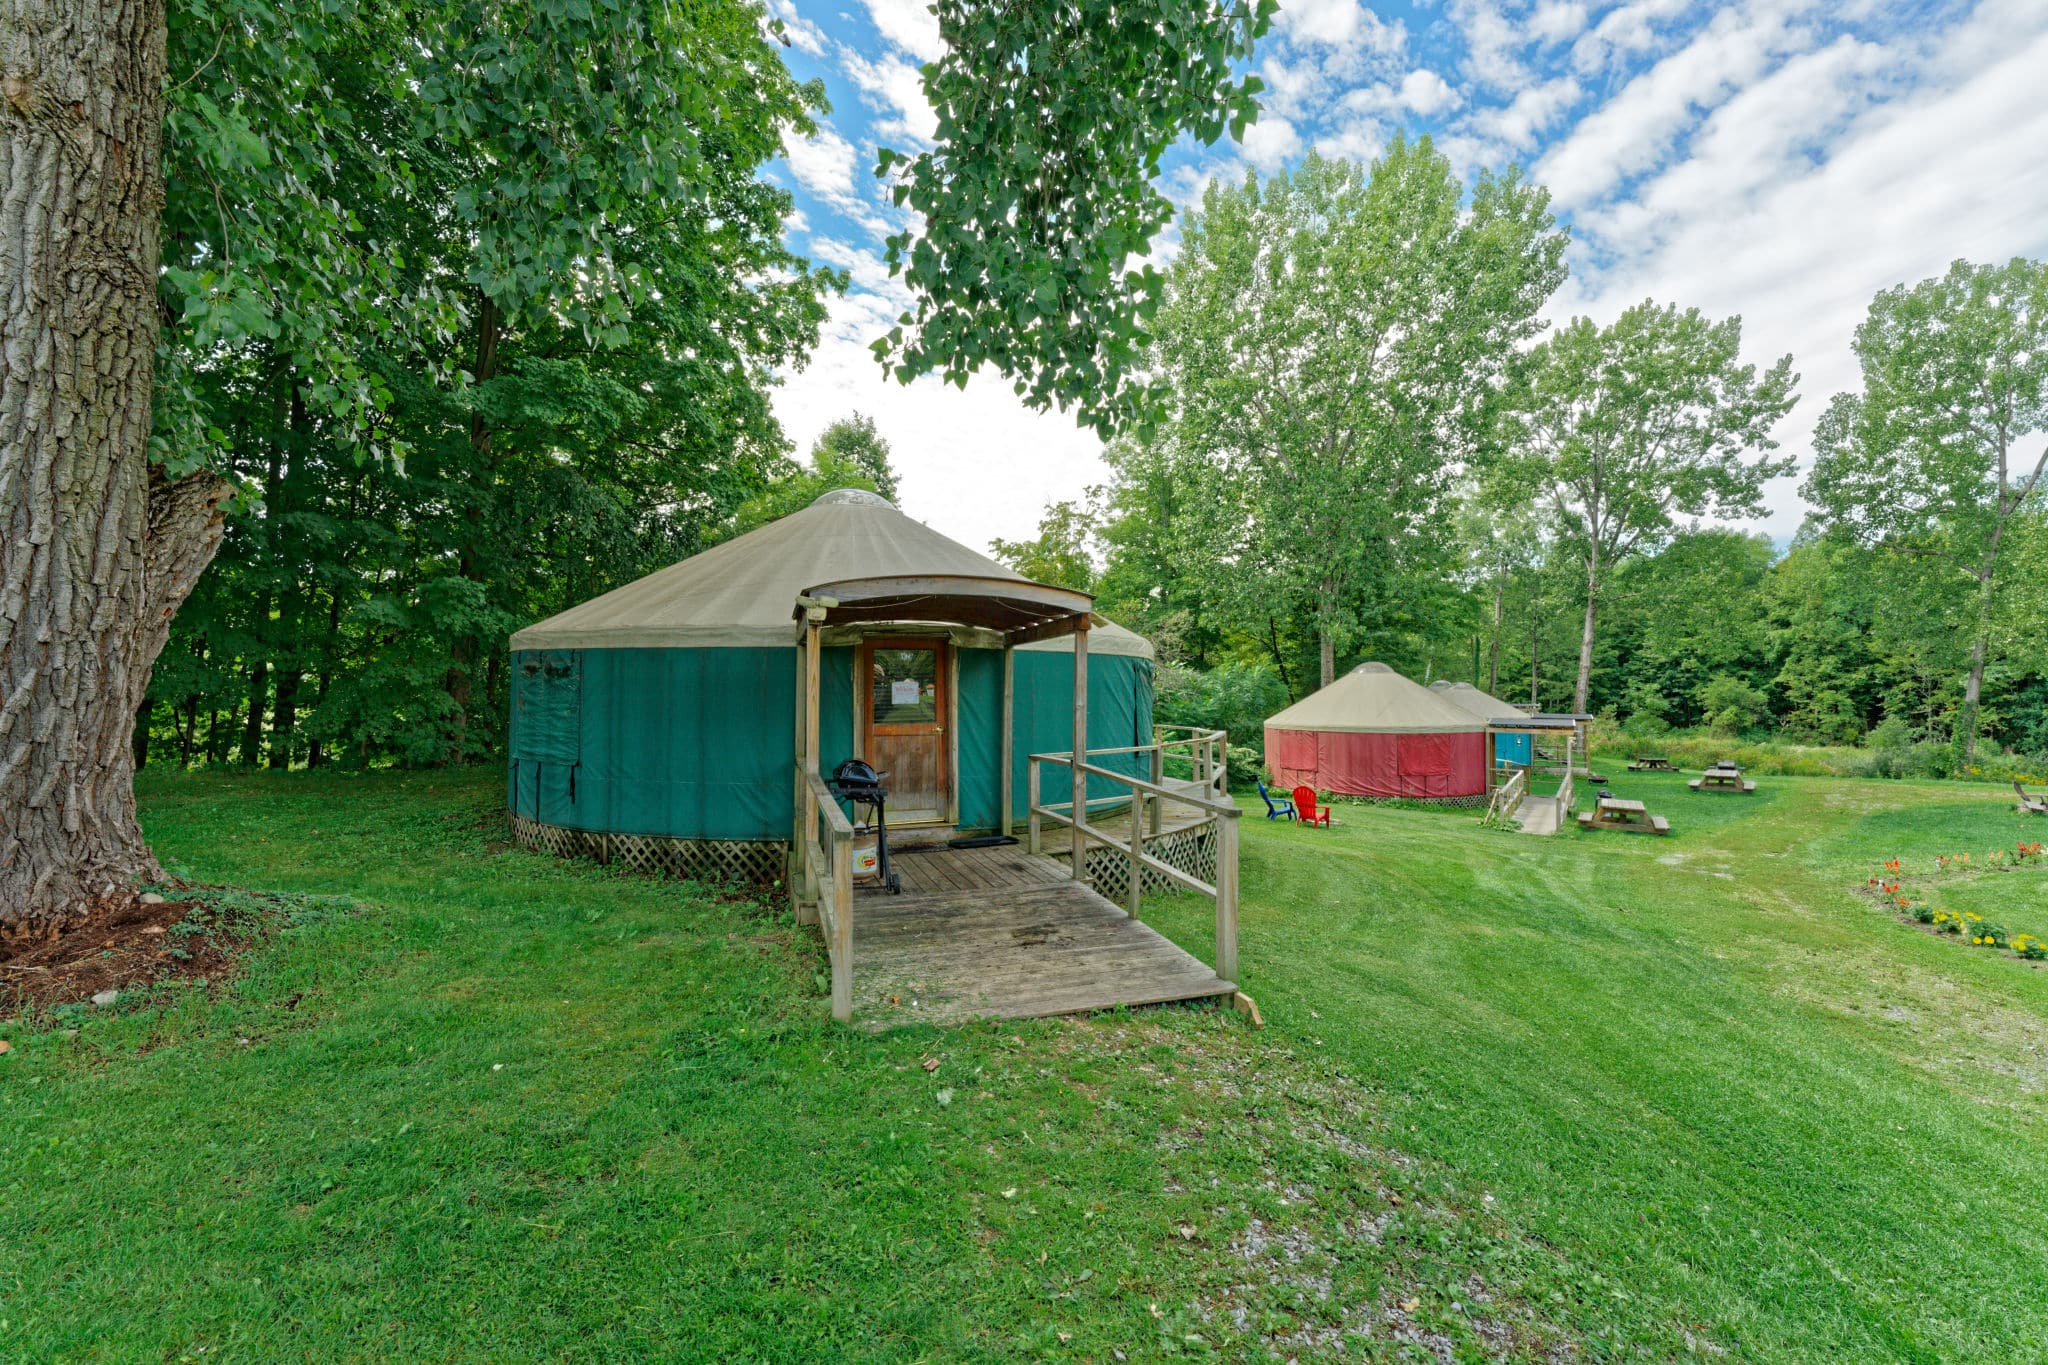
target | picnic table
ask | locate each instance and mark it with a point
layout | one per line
(1650, 763)
(1722, 777)
(1613, 812)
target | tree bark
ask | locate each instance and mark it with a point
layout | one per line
(259, 697)
(461, 674)
(1973, 685)
(1493, 656)
(97, 549)
(1579, 693)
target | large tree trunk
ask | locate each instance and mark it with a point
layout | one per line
(1980, 650)
(1500, 589)
(96, 551)
(1586, 632)
(462, 674)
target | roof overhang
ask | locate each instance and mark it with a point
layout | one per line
(1015, 610)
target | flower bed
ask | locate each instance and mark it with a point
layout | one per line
(1888, 887)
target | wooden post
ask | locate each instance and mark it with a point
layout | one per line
(1137, 886)
(1158, 780)
(1031, 802)
(1226, 896)
(1009, 742)
(808, 829)
(1080, 755)
(842, 929)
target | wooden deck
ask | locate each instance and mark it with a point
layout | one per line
(999, 933)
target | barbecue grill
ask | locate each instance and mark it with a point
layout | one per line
(857, 782)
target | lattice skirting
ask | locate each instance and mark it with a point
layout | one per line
(1192, 851)
(757, 862)
(1452, 802)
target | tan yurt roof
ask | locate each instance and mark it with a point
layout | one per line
(1480, 703)
(1374, 699)
(741, 593)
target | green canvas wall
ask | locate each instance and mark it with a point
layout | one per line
(699, 743)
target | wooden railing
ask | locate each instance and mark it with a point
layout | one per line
(1073, 814)
(1564, 797)
(1507, 798)
(828, 883)
(1206, 755)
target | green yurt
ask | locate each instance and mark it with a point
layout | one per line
(659, 724)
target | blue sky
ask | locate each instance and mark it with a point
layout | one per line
(1779, 159)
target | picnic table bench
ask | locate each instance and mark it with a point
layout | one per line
(1650, 763)
(1722, 777)
(1612, 812)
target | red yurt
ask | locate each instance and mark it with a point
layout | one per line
(1374, 733)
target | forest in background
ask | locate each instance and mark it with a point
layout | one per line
(1362, 443)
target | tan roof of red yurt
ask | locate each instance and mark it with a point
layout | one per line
(1373, 699)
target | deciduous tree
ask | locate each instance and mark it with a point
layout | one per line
(1038, 197)
(1338, 339)
(1947, 441)
(1623, 429)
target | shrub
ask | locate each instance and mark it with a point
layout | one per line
(2029, 947)
(1733, 706)
(1235, 698)
(1985, 934)
(1245, 764)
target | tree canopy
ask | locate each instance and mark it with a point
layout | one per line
(1621, 429)
(1039, 195)
(1947, 442)
(1335, 339)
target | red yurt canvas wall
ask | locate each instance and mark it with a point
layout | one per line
(1374, 733)
(1362, 764)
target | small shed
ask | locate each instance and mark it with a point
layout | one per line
(1374, 733)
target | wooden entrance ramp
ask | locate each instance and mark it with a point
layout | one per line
(1000, 933)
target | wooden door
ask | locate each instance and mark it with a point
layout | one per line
(905, 711)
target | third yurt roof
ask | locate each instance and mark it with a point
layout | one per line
(1479, 702)
(1373, 699)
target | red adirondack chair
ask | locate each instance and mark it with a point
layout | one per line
(1305, 805)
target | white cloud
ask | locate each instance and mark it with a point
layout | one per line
(1269, 142)
(1361, 140)
(953, 448)
(1494, 43)
(1342, 24)
(803, 35)
(910, 25)
(1426, 93)
(1533, 112)
(1420, 91)
(1850, 169)
(1627, 30)
(895, 87)
(1639, 127)
(822, 164)
(1556, 20)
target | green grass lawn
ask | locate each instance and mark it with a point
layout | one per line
(1627, 1097)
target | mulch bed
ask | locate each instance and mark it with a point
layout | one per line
(120, 943)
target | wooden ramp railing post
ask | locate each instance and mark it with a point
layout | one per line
(1226, 896)
(842, 924)
(1031, 802)
(1079, 790)
(1138, 859)
(1158, 780)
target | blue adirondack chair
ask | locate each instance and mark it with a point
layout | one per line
(1276, 807)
